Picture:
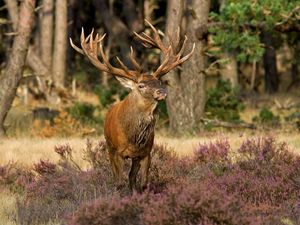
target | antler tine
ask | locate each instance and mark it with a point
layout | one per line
(122, 65)
(145, 40)
(82, 39)
(188, 55)
(164, 63)
(104, 57)
(75, 47)
(90, 47)
(157, 40)
(173, 57)
(91, 40)
(175, 43)
(184, 45)
(136, 65)
(168, 65)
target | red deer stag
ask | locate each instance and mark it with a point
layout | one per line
(129, 124)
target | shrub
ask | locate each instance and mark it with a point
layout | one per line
(14, 177)
(108, 95)
(63, 125)
(85, 113)
(264, 176)
(222, 102)
(259, 186)
(113, 210)
(266, 117)
(58, 189)
(187, 203)
(213, 152)
(166, 168)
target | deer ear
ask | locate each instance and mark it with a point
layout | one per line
(126, 82)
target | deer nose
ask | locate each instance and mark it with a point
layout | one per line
(160, 94)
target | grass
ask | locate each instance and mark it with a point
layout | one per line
(7, 209)
(27, 151)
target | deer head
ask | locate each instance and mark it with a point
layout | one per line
(148, 86)
(129, 124)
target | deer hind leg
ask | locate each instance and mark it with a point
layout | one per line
(117, 164)
(135, 167)
(145, 165)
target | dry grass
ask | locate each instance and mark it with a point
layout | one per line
(8, 208)
(28, 151)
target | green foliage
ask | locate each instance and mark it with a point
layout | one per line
(242, 22)
(266, 117)
(293, 117)
(162, 110)
(86, 113)
(108, 95)
(82, 111)
(223, 103)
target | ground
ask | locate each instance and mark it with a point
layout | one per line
(27, 151)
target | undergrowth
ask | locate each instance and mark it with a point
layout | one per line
(223, 103)
(260, 184)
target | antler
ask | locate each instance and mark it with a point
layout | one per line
(172, 59)
(91, 47)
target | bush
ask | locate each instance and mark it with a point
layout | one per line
(15, 177)
(108, 95)
(58, 189)
(264, 177)
(187, 203)
(87, 114)
(267, 117)
(222, 102)
(213, 152)
(63, 125)
(259, 186)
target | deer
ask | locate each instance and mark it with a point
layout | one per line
(129, 124)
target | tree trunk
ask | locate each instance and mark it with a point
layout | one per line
(40, 69)
(60, 43)
(32, 59)
(229, 71)
(295, 62)
(13, 72)
(132, 15)
(186, 91)
(47, 33)
(117, 30)
(269, 58)
(13, 11)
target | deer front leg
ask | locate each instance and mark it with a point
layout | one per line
(117, 164)
(145, 165)
(135, 167)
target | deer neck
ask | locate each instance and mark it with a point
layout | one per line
(138, 119)
(142, 106)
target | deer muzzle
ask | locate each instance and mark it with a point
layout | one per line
(160, 94)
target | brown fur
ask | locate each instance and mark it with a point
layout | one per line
(129, 131)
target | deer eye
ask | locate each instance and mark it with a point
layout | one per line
(141, 86)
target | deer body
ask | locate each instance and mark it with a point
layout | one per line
(129, 129)
(134, 126)
(129, 124)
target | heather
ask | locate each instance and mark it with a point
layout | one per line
(258, 183)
